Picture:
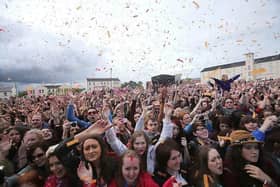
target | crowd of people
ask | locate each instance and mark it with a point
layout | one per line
(221, 134)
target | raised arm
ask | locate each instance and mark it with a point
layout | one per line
(118, 147)
(71, 117)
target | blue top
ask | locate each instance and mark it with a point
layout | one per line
(70, 116)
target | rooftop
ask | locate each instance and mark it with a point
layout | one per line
(103, 79)
(6, 89)
(242, 63)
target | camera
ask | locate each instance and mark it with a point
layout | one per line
(2, 174)
(74, 123)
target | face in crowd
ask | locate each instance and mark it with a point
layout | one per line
(152, 126)
(56, 167)
(39, 157)
(174, 161)
(36, 121)
(47, 134)
(93, 115)
(251, 126)
(229, 103)
(130, 169)
(14, 136)
(140, 145)
(31, 138)
(215, 162)
(186, 119)
(250, 152)
(201, 132)
(92, 150)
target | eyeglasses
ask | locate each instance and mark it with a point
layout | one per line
(37, 156)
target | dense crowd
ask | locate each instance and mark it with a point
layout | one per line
(221, 134)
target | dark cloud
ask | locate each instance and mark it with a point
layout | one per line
(31, 56)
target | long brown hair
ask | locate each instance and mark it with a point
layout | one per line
(135, 135)
(119, 176)
(203, 169)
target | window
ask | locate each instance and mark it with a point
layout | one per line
(249, 67)
(5, 93)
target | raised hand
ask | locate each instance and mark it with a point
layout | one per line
(257, 173)
(106, 111)
(5, 146)
(168, 108)
(84, 173)
(99, 127)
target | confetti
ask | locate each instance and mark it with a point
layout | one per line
(2, 30)
(78, 8)
(180, 60)
(196, 4)
(108, 33)
(206, 44)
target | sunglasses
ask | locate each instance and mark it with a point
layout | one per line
(92, 112)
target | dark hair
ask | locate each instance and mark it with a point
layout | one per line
(203, 159)
(225, 120)
(203, 164)
(246, 119)
(234, 155)
(198, 123)
(237, 163)
(163, 152)
(106, 163)
(31, 150)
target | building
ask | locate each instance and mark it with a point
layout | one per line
(101, 83)
(7, 92)
(37, 91)
(48, 89)
(250, 69)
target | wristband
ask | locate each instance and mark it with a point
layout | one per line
(72, 142)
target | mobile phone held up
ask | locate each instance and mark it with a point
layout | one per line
(74, 123)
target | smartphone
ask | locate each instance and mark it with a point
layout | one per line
(74, 123)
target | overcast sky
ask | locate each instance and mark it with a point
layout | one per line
(70, 40)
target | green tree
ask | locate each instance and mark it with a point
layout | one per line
(132, 84)
(22, 93)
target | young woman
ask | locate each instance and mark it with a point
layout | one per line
(139, 140)
(130, 172)
(36, 165)
(95, 167)
(210, 168)
(168, 163)
(245, 165)
(60, 176)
